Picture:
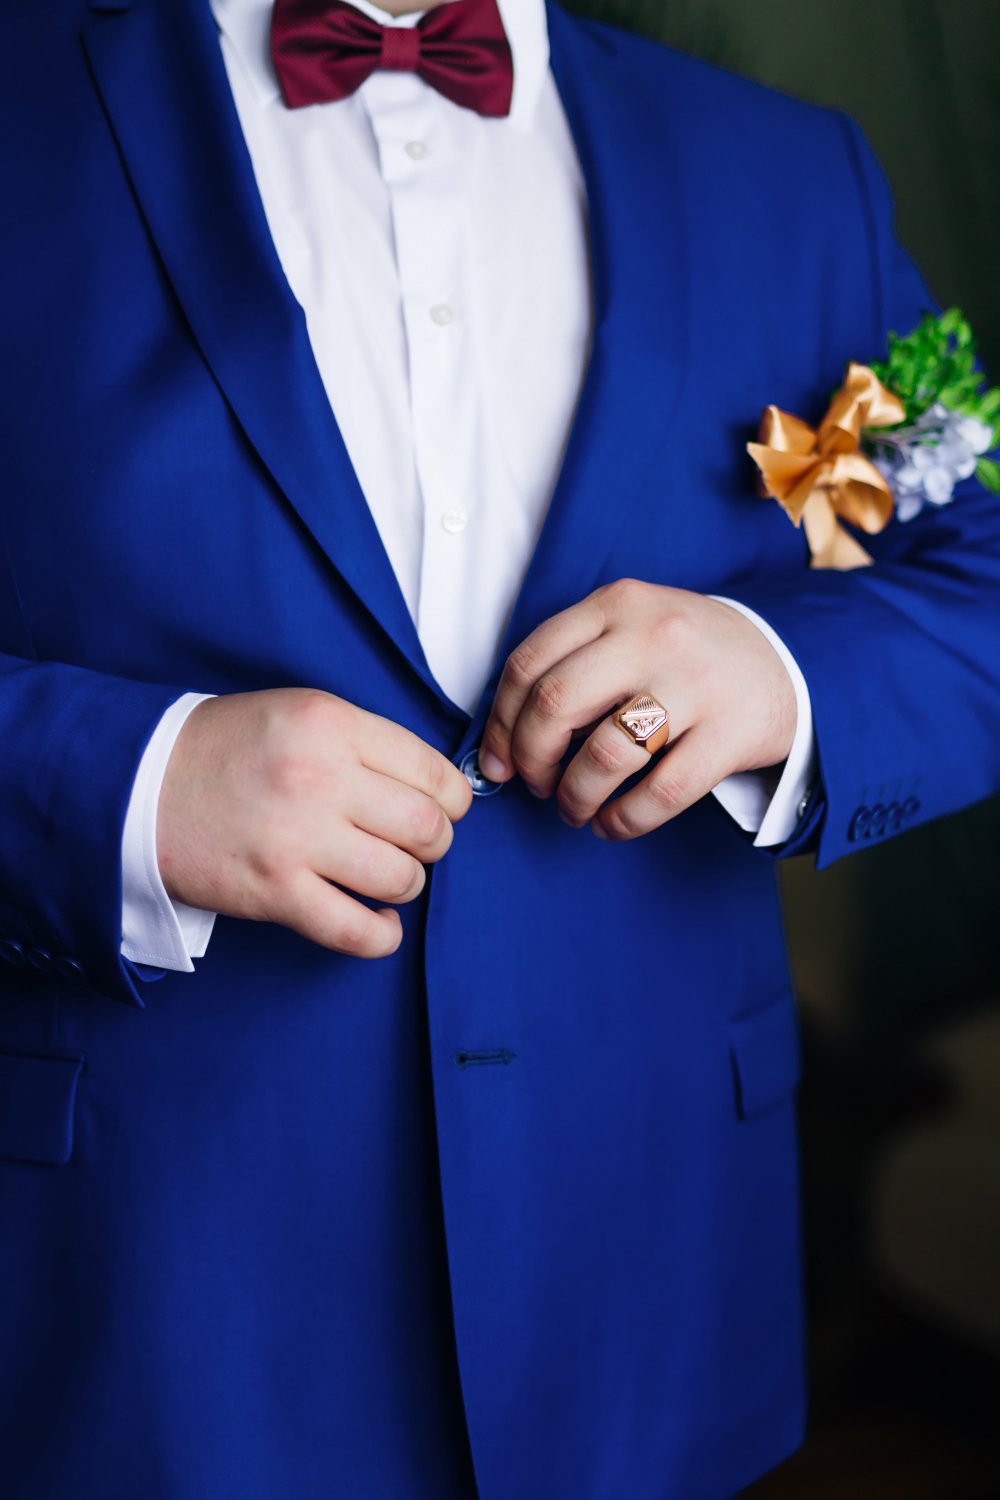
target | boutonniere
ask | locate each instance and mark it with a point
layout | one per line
(898, 435)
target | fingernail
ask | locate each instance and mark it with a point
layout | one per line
(599, 833)
(536, 791)
(491, 765)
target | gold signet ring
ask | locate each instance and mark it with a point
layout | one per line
(645, 721)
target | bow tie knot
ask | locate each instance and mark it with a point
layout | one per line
(324, 50)
(400, 48)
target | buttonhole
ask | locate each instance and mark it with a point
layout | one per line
(480, 1059)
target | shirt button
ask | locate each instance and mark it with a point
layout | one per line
(454, 521)
(442, 314)
(416, 150)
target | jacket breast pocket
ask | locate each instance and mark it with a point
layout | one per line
(766, 1056)
(37, 1106)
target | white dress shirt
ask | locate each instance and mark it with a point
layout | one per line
(441, 260)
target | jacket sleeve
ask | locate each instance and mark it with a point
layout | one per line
(72, 741)
(902, 659)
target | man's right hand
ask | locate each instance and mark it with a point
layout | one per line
(273, 800)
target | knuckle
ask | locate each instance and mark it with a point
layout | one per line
(668, 792)
(285, 772)
(407, 883)
(622, 594)
(429, 825)
(313, 712)
(620, 820)
(435, 773)
(497, 735)
(550, 697)
(573, 802)
(522, 666)
(606, 756)
(437, 848)
(272, 877)
(675, 634)
(352, 933)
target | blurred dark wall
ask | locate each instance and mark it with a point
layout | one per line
(906, 936)
(921, 76)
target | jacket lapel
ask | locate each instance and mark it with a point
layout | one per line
(159, 69)
(640, 240)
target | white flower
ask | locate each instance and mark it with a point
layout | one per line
(923, 463)
(907, 480)
(977, 435)
(939, 485)
(908, 506)
(956, 456)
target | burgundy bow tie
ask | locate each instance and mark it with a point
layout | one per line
(325, 49)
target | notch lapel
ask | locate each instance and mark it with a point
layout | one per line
(640, 234)
(159, 70)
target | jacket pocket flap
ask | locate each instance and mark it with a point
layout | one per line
(37, 1103)
(766, 1056)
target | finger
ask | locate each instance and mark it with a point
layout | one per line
(372, 867)
(550, 643)
(333, 919)
(394, 751)
(401, 815)
(685, 774)
(574, 693)
(605, 759)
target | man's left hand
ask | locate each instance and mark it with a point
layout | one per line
(731, 704)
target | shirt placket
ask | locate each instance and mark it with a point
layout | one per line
(424, 160)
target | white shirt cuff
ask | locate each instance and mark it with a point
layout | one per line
(772, 803)
(155, 930)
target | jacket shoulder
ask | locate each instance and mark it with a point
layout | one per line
(712, 102)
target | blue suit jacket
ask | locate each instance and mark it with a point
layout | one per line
(292, 1226)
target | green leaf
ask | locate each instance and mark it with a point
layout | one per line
(936, 361)
(989, 407)
(959, 391)
(988, 474)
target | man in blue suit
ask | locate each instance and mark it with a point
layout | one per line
(376, 389)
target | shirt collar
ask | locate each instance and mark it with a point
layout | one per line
(246, 25)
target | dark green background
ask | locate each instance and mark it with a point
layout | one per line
(921, 76)
(907, 935)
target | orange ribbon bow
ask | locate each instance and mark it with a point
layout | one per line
(819, 475)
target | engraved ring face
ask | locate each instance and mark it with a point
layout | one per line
(645, 721)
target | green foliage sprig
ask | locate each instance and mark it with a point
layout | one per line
(936, 363)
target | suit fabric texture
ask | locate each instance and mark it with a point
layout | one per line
(514, 1212)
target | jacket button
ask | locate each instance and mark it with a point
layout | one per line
(469, 766)
(11, 951)
(859, 825)
(39, 958)
(68, 968)
(879, 819)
